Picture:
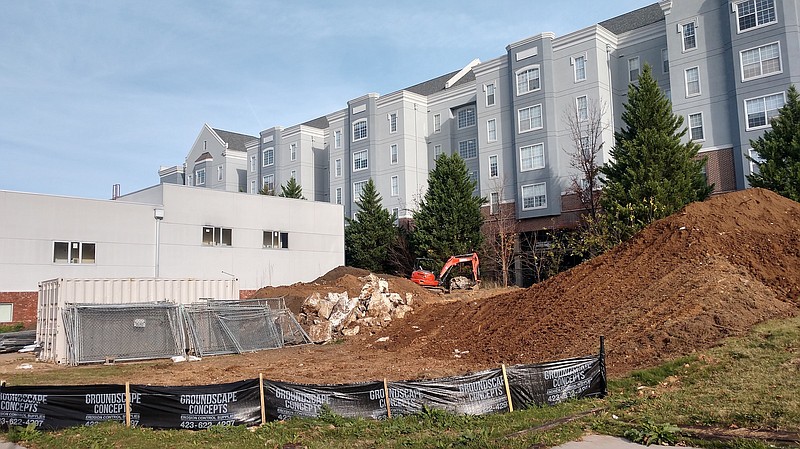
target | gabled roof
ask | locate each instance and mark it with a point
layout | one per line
(434, 85)
(635, 19)
(235, 141)
(204, 157)
(321, 122)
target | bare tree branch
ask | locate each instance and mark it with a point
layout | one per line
(586, 126)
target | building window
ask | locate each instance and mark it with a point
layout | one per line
(437, 151)
(393, 155)
(74, 252)
(761, 110)
(268, 157)
(468, 149)
(494, 169)
(292, 151)
(213, 236)
(6, 312)
(395, 186)
(689, 35)
(466, 118)
(437, 123)
(359, 130)
(761, 61)
(696, 131)
(756, 162)
(200, 177)
(358, 188)
(579, 64)
(205, 144)
(393, 122)
(692, 81)
(395, 214)
(219, 173)
(489, 88)
(528, 80)
(494, 203)
(337, 138)
(534, 196)
(582, 108)
(633, 69)
(360, 160)
(276, 239)
(337, 168)
(293, 174)
(530, 118)
(253, 163)
(664, 60)
(491, 130)
(755, 13)
(253, 187)
(268, 184)
(531, 157)
(338, 195)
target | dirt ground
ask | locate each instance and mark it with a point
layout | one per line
(711, 271)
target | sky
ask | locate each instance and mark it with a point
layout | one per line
(97, 93)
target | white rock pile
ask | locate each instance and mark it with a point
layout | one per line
(336, 314)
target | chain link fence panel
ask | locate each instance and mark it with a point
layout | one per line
(139, 331)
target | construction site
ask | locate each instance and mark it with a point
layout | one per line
(683, 284)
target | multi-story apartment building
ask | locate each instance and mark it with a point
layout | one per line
(724, 63)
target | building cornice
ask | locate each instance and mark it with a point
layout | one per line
(536, 38)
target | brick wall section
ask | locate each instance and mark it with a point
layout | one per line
(25, 305)
(720, 170)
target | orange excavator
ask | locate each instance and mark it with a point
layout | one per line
(424, 276)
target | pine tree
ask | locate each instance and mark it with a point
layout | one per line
(779, 151)
(292, 189)
(370, 233)
(651, 174)
(449, 218)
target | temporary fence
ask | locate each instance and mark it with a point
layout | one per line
(99, 332)
(56, 294)
(289, 330)
(230, 328)
(257, 401)
(138, 331)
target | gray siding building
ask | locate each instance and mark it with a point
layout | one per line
(724, 63)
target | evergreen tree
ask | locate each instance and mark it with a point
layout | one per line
(292, 189)
(779, 152)
(370, 233)
(448, 221)
(651, 174)
(265, 190)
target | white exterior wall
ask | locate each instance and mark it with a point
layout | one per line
(316, 237)
(125, 233)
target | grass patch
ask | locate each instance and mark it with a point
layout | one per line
(750, 382)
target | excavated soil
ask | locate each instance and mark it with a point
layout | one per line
(709, 272)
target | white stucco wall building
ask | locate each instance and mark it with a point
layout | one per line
(165, 231)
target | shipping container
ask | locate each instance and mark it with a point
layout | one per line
(55, 294)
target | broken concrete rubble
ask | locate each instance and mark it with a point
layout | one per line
(338, 315)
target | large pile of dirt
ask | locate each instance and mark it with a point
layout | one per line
(711, 271)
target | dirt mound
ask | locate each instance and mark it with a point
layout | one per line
(711, 271)
(340, 279)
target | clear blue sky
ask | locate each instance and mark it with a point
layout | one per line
(94, 93)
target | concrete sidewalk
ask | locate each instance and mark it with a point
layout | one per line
(600, 442)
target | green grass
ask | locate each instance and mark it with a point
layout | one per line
(751, 382)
